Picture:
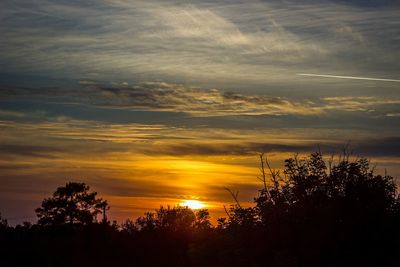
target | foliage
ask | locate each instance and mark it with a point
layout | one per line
(315, 212)
(174, 219)
(202, 221)
(346, 186)
(318, 209)
(3, 222)
(73, 204)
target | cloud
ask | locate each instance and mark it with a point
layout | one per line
(233, 148)
(249, 43)
(392, 115)
(8, 113)
(204, 25)
(161, 96)
(194, 101)
(29, 151)
(53, 129)
(55, 138)
(200, 102)
(360, 103)
(373, 147)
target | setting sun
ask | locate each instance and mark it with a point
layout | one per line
(192, 204)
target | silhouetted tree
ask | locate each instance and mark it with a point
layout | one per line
(239, 216)
(175, 219)
(148, 222)
(71, 204)
(315, 211)
(309, 183)
(3, 223)
(129, 227)
(222, 223)
(202, 221)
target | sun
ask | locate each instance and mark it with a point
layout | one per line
(192, 204)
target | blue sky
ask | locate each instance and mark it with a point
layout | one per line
(207, 82)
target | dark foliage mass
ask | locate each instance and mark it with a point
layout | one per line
(315, 213)
(72, 203)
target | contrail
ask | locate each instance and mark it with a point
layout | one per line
(348, 77)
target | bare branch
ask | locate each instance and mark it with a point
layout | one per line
(227, 212)
(330, 163)
(263, 172)
(264, 177)
(234, 196)
(273, 173)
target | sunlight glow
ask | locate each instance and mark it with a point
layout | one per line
(192, 204)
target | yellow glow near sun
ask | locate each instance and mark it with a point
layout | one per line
(192, 204)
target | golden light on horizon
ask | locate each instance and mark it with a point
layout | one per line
(192, 204)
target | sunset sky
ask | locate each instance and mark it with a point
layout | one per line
(157, 102)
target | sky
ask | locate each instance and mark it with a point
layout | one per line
(156, 102)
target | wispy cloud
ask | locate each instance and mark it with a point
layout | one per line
(360, 103)
(195, 101)
(80, 130)
(384, 147)
(198, 102)
(64, 137)
(245, 42)
(204, 25)
(161, 96)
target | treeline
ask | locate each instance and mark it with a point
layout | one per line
(314, 213)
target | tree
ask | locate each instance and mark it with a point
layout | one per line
(148, 222)
(202, 219)
(239, 216)
(71, 204)
(129, 227)
(3, 223)
(323, 208)
(309, 184)
(175, 219)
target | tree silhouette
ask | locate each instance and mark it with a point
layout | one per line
(173, 219)
(314, 212)
(71, 204)
(309, 183)
(202, 221)
(317, 209)
(3, 223)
